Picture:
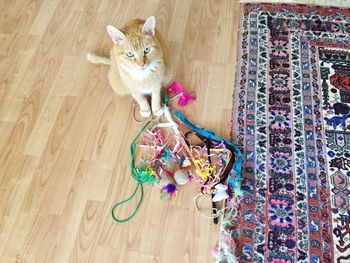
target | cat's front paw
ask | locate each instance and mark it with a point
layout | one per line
(158, 112)
(145, 113)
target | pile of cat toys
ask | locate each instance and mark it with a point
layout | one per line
(172, 153)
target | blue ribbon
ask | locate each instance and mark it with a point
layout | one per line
(237, 166)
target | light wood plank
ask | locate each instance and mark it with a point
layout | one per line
(65, 135)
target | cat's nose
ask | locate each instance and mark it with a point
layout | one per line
(140, 62)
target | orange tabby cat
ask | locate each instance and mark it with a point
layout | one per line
(137, 63)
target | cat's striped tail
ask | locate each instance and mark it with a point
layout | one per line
(97, 59)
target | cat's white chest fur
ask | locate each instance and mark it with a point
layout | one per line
(140, 74)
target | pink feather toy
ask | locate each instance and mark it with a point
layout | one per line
(185, 97)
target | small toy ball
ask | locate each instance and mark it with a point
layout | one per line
(181, 177)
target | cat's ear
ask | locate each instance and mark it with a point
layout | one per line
(149, 27)
(117, 36)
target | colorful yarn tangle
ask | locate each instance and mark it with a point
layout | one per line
(237, 166)
(207, 173)
(166, 150)
(147, 175)
(161, 161)
(206, 170)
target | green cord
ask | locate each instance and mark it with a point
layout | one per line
(166, 99)
(139, 179)
(127, 200)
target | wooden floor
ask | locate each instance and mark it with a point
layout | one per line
(65, 136)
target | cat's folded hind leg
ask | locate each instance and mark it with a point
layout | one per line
(97, 59)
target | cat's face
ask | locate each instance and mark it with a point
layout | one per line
(136, 47)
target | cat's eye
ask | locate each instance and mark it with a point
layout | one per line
(129, 54)
(146, 50)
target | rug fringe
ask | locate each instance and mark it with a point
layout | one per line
(227, 249)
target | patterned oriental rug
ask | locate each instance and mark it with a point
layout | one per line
(292, 121)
